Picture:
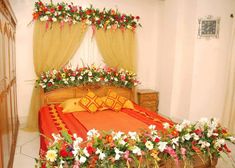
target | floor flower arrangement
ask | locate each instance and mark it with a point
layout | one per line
(67, 77)
(146, 148)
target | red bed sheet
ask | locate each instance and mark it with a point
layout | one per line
(53, 120)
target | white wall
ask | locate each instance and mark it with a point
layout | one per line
(149, 11)
(192, 71)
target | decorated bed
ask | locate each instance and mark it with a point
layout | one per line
(85, 123)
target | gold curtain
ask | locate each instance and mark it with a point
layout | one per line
(52, 48)
(229, 110)
(117, 47)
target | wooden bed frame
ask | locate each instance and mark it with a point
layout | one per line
(62, 94)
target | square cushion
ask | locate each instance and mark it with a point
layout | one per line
(72, 105)
(91, 102)
(114, 101)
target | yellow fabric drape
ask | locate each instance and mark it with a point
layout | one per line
(229, 110)
(118, 48)
(52, 48)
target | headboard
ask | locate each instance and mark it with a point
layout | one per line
(62, 94)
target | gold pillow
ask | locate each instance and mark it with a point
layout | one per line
(91, 102)
(72, 105)
(114, 101)
(128, 104)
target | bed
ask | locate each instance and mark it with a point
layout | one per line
(53, 120)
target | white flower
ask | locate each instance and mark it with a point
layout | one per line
(195, 136)
(61, 163)
(54, 19)
(210, 133)
(56, 137)
(186, 123)
(91, 133)
(219, 142)
(133, 135)
(67, 7)
(187, 136)
(44, 18)
(116, 79)
(78, 139)
(102, 156)
(51, 155)
(90, 73)
(88, 22)
(117, 135)
(166, 125)
(162, 146)
(149, 145)
(152, 127)
(86, 152)
(179, 127)
(175, 141)
(121, 142)
(117, 152)
(232, 139)
(54, 71)
(72, 78)
(204, 144)
(82, 159)
(136, 150)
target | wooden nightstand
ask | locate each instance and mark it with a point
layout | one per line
(148, 99)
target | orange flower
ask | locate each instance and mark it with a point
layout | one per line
(35, 16)
(109, 138)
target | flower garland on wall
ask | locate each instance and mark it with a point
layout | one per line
(69, 77)
(72, 14)
(180, 142)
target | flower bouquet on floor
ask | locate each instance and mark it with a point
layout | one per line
(187, 144)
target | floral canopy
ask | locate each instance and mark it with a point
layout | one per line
(72, 14)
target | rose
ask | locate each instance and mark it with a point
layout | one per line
(64, 153)
(60, 7)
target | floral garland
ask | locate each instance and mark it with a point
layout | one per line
(144, 149)
(69, 13)
(69, 77)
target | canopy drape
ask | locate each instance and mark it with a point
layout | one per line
(117, 47)
(53, 47)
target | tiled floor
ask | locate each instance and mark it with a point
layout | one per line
(28, 147)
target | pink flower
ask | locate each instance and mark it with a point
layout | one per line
(76, 165)
(126, 156)
(123, 77)
(183, 151)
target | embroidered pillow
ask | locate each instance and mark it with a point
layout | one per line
(128, 104)
(72, 105)
(114, 101)
(91, 102)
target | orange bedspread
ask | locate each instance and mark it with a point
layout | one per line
(110, 120)
(52, 120)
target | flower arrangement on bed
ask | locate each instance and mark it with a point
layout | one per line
(125, 134)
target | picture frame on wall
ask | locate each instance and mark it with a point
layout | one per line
(208, 27)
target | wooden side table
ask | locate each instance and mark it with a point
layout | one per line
(148, 99)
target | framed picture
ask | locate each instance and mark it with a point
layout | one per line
(208, 27)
